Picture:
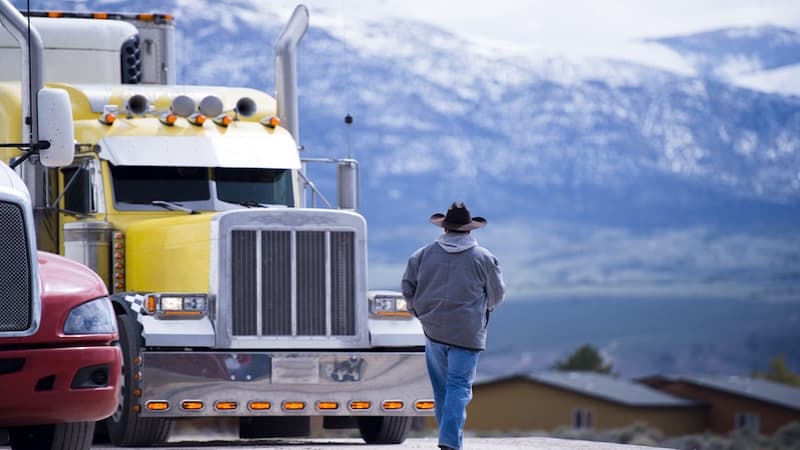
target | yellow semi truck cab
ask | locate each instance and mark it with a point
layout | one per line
(232, 298)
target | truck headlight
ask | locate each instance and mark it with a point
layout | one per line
(177, 305)
(94, 317)
(388, 304)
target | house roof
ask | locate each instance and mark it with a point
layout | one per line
(755, 388)
(606, 387)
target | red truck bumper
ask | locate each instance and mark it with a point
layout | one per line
(57, 385)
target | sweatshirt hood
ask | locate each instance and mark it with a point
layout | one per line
(456, 242)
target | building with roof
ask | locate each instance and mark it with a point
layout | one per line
(549, 400)
(735, 402)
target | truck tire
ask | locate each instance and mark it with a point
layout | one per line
(384, 430)
(125, 427)
(62, 436)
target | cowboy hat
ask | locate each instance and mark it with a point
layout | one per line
(458, 219)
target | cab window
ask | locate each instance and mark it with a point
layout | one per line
(145, 184)
(264, 186)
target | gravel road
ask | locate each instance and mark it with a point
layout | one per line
(538, 443)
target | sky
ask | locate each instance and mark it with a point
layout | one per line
(573, 22)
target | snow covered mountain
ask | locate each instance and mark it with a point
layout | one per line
(602, 178)
(765, 58)
(725, 53)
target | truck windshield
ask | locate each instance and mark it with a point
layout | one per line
(265, 186)
(145, 184)
(200, 188)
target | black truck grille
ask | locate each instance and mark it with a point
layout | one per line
(292, 283)
(15, 273)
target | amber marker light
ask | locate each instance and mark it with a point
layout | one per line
(225, 406)
(394, 313)
(168, 119)
(183, 313)
(271, 122)
(192, 405)
(294, 406)
(151, 304)
(108, 118)
(55, 14)
(356, 406)
(100, 15)
(259, 406)
(197, 119)
(392, 405)
(424, 405)
(327, 406)
(157, 405)
(223, 120)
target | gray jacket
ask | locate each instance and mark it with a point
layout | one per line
(451, 285)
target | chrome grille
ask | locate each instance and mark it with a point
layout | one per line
(15, 275)
(292, 283)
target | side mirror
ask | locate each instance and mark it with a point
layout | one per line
(347, 183)
(55, 126)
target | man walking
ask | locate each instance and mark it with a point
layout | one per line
(451, 285)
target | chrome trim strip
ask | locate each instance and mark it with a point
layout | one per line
(328, 325)
(293, 252)
(259, 281)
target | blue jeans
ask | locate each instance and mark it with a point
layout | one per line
(452, 370)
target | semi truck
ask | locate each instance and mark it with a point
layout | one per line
(60, 364)
(235, 295)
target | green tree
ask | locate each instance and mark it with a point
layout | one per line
(780, 372)
(586, 359)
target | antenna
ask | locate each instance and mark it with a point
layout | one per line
(348, 119)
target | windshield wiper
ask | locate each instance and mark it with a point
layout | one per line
(172, 206)
(249, 203)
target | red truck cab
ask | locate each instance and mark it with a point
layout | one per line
(59, 357)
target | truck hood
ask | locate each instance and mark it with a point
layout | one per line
(170, 254)
(68, 281)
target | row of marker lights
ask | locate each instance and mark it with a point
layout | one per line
(118, 264)
(145, 17)
(184, 106)
(137, 392)
(196, 405)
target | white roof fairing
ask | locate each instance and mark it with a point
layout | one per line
(274, 151)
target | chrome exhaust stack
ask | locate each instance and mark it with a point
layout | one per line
(286, 70)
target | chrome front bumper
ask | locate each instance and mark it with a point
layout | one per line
(323, 383)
